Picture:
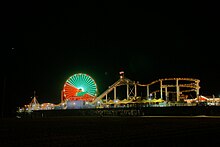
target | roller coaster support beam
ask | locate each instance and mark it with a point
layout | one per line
(177, 90)
(127, 91)
(161, 89)
(135, 90)
(115, 96)
(148, 92)
(197, 89)
(166, 93)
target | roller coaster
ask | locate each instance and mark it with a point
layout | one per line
(167, 86)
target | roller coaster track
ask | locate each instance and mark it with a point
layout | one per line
(171, 79)
(121, 81)
(125, 81)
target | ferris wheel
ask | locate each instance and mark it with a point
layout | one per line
(80, 86)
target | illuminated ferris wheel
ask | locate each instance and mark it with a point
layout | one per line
(80, 86)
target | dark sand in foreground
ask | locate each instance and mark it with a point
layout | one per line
(111, 131)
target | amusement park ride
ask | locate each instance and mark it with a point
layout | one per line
(80, 91)
(79, 87)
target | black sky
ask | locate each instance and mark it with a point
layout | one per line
(45, 43)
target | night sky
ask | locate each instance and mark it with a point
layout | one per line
(45, 43)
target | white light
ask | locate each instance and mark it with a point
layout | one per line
(82, 89)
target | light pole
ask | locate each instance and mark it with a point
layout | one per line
(3, 96)
(10, 55)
